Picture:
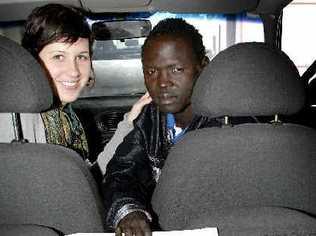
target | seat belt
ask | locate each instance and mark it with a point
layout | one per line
(17, 129)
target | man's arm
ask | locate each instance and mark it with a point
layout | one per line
(128, 183)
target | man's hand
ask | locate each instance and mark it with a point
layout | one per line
(134, 224)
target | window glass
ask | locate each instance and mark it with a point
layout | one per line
(299, 34)
(117, 63)
(249, 29)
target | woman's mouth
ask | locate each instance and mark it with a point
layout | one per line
(69, 84)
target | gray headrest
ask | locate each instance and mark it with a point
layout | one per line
(24, 87)
(249, 79)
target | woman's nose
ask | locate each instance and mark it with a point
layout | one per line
(73, 68)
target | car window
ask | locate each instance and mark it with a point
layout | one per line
(117, 63)
(299, 34)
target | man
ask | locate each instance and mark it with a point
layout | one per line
(173, 57)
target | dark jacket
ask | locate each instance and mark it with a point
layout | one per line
(132, 173)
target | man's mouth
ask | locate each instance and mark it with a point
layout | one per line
(166, 98)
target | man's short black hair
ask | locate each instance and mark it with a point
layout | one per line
(178, 27)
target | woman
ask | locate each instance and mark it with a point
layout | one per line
(59, 37)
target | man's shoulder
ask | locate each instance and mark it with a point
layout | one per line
(148, 116)
(199, 122)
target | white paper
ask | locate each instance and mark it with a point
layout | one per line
(195, 232)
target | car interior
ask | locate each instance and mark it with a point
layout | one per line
(41, 184)
(248, 179)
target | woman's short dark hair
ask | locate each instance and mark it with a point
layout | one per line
(52, 22)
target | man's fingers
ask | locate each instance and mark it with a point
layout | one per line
(147, 230)
(124, 231)
(129, 232)
(134, 224)
(118, 231)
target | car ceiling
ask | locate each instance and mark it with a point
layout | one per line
(15, 10)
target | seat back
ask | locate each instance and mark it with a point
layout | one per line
(29, 230)
(243, 178)
(48, 185)
(40, 184)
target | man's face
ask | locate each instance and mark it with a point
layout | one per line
(170, 69)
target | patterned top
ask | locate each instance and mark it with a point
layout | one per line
(63, 127)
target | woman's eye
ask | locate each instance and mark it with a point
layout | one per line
(58, 57)
(83, 57)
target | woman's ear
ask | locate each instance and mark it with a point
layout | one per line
(91, 80)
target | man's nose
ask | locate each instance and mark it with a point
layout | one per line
(164, 80)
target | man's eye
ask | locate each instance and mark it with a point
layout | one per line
(151, 71)
(177, 69)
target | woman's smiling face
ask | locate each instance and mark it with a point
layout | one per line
(69, 67)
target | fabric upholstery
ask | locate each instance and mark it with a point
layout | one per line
(257, 221)
(23, 84)
(27, 230)
(223, 6)
(246, 179)
(41, 184)
(271, 6)
(249, 165)
(249, 79)
(48, 185)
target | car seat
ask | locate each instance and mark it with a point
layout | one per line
(246, 179)
(27, 230)
(40, 184)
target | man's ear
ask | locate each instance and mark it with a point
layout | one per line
(204, 62)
